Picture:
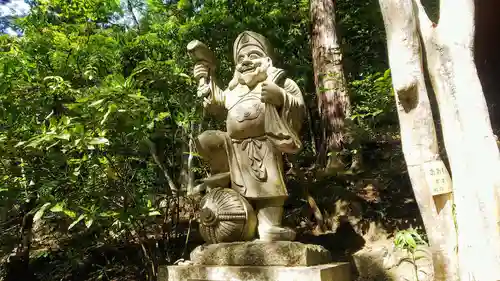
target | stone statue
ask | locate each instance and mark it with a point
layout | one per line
(264, 112)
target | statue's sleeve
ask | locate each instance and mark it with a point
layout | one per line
(214, 104)
(293, 110)
(283, 125)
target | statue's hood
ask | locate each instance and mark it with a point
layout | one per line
(250, 38)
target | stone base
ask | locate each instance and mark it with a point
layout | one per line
(260, 253)
(324, 272)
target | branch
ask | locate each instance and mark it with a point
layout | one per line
(190, 183)
(118, 172)
(152, 149)
(131, 11)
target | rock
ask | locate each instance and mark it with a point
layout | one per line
(383, 261)
(259, 253)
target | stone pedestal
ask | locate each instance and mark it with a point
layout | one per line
(257, 253)
(324, 272)
(258, 261)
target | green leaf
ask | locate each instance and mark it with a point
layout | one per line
(182, 4)
(111, 108)
(138, 97)
(108, 214)
(154, 213)
(99, 141)
(163, 115)
(79, 129)
(192, 153)
(65, 120)
(82, 99)
(88, 223)
(151, 125)
(57, 207)
(96, 103)
(64, 136)
(79, 219)
(4, 189)
(387, 73)
(40, 211)
(409, 240)
(69, 213)
(20, 144)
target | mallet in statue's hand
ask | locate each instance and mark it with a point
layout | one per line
(204, 65)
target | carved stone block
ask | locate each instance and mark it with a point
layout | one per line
(324, 272)
(259, 253)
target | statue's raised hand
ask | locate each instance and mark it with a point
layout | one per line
(272, 93)
(201, 74)
(203, 90)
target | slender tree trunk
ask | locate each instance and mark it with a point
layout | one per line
(130, 9)
(468, 137)
(17, 266)
(329, 78)
(418, 133)
(171, 188)
(190, 165)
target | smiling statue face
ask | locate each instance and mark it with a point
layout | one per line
(252, 65)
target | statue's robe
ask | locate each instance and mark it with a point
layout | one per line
(257, 135)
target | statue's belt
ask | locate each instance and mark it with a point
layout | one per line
(255, 140)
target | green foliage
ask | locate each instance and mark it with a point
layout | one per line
(79, 102)
(361, 28)
(373, 105)
(408, 240)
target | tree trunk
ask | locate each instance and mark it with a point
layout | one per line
(418, 133)
(171, 188)
(190, 166)
(329, 78)
(468, 137)
(17, 266)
